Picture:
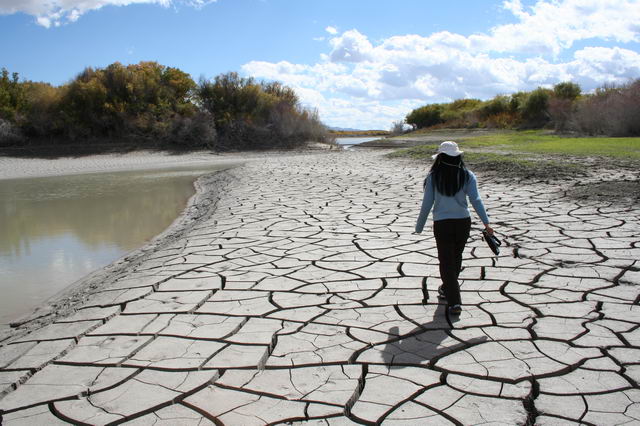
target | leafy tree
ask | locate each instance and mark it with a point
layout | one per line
(534, 108)
(425, 116)
(251, 115)
(11, 95)
(42, 116)
(149, 103)
(567, 90)
(495, 106)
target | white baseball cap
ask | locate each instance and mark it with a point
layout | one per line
(449, 148)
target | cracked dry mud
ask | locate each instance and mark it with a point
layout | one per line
(300, 299)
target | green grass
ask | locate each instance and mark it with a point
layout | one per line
(538, 143)
(416, 152)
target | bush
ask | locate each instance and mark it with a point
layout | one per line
(41, 117)
(497, 105)
(612, 111)
(257, 115)
(567, 90)
(397, 128)
(503, 120)
(425, 116)
(11, 95)
(560, 112)
(534, 109)
(197, 130)
(133, 101)
(9, 133)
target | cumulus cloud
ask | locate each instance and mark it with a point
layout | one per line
(331, 30)
(548, 27)
(58, 12)
(379, 82)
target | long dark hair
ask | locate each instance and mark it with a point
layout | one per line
(448, 174)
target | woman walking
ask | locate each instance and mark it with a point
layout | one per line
(446, 189)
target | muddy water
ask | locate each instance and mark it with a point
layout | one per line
(55, 230)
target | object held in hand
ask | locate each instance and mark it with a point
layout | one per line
(492, 241)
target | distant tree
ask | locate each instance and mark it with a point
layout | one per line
(134, 101)
(567, 90)
(11, 95)
(397, 127)
(534, 109)
(495, 106)
(516, 100)
(425, 116)
(253, 115)
(42, 116)
(612, 110)
(561, 104)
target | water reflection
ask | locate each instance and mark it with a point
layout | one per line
(56, 230)
(346, 142)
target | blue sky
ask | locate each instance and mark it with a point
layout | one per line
(361, 63)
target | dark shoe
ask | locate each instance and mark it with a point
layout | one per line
(455, 309)
(441, 293)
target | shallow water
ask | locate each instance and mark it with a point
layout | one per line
(355, 141)
(56, 230)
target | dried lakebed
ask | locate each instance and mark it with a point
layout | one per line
(295, 294)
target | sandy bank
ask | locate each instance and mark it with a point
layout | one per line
(20, 167)
(16, 168)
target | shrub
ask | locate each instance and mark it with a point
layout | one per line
(425, 116)
(567, 90)
(11, 95)
(133, 102)
(611, 110)
(497, 105)
(397, 127)
(464, 105)
(41, 116)
(560, 112)
(516, 100)
(534, 109)
(503, 120)
(257, 115)
(9, 133)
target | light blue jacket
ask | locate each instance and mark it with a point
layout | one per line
(455, 207)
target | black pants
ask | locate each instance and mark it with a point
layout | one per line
(451, 238)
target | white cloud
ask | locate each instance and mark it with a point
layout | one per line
(58, 12)
(331, 30)
(351, 46)
(359, 83)
(549, 26)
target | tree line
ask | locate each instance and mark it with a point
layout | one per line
(152, 105)
(612, 110)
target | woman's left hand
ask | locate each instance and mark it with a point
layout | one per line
(488, 228)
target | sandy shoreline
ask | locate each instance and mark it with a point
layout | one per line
(17, 168)
(20, 167)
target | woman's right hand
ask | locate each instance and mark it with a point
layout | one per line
(488, 228)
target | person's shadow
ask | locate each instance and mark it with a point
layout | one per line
(426, 343)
